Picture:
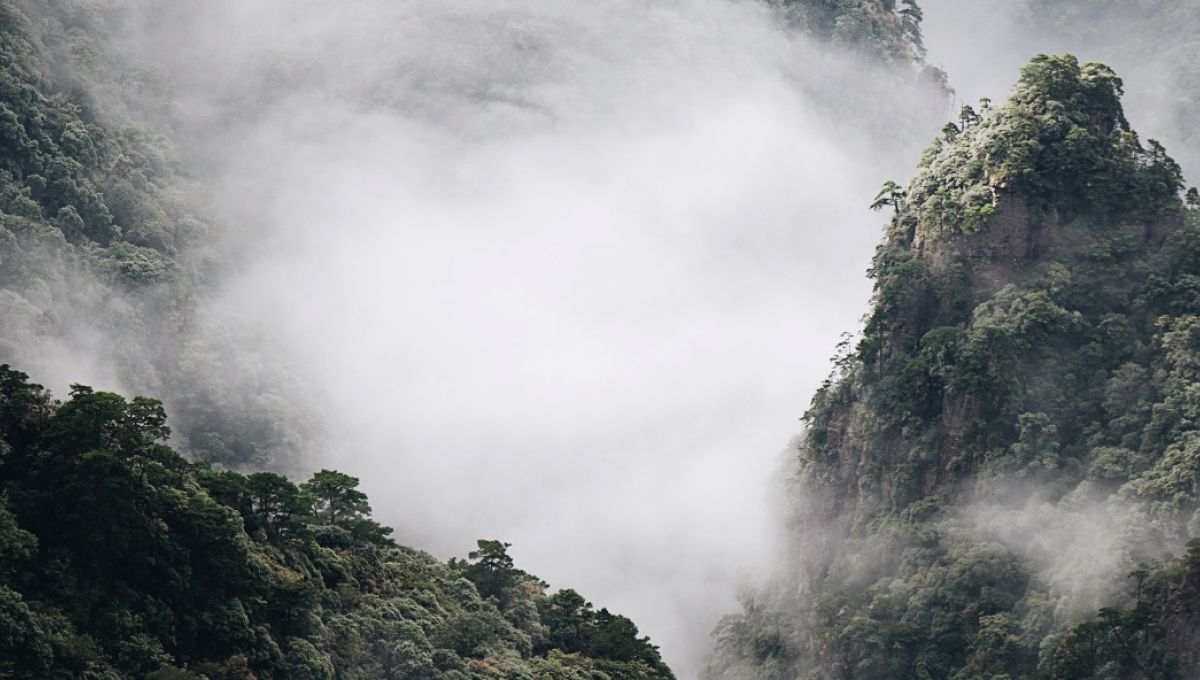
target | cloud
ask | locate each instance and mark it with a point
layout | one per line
(564, 274)
(1081, 547)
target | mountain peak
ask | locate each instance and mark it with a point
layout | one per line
(1060, 148)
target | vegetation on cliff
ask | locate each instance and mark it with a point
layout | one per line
(1166, 69)
(1014, 431)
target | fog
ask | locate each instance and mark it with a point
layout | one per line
(564, 274)
(567, 274)
(1082, 547)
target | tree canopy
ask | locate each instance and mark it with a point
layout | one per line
(121, 559)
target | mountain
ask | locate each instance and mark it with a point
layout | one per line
(121, 559)
(108, 256)
(1166, 71)
(1014, 431)
(112, 259)
(880, 28)
(998, 480)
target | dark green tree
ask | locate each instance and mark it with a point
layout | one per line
(891, 194)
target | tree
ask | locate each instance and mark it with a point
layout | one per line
(103, 420)
(337, 502)
(566, 615)
(891, 194)
(491, 569)
(281, 508)
(336, 497)
(967, 116)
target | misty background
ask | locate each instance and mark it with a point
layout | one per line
(566, 274)
(560, 274)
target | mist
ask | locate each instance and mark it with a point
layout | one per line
(567, 274)
(564, 275)
(1081, 547)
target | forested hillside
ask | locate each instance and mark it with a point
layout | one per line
(120, 559)
(1014, 432)
(881, 28)
(107, 255)
(1166, 70)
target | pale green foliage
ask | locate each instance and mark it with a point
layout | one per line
(882, 28)
(1060, 143)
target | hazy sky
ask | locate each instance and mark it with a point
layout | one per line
(564, 274)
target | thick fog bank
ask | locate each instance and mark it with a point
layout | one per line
(564, 274)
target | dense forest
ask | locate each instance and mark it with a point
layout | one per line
(108, 251)
(121, 559)
(1014, 430)
(1167, 72)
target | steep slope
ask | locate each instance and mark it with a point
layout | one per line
(119, 559)
(107, 259)
(881, 28)
(1015, 431)
(1166, 70)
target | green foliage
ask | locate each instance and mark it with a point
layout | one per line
(1155, 637)
(491, 569)
(104, 236)
(1168, 75)
(1034, 341)
(882, 28)
(891, 194)
(1061, 144)
(151, 566)
(575, 628)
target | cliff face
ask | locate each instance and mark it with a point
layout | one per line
(1012, 433)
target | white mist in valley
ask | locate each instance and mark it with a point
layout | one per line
(564, 274)
(567, 274)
